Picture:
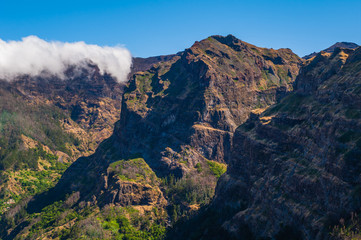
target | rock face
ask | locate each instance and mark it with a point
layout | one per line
(131, 183)
(322, 67)
(184, 111)
(188, 108)
(295, 169)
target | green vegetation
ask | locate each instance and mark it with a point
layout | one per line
(348, 229)
(144, 82)
(41, 123)
(282, 74)
(33, 182)
(26, 168)
(53, 216)
(136, 170)
(188, 190)
(30, 181)
(217, 168)
(136, 226)
(48, 216)
(196, 190)
(198, 166)
(57, 221)
(270, 80)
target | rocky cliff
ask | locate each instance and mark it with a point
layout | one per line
(190, 106)
(294, 171)
(184, 111)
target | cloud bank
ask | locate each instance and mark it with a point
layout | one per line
(35, 56)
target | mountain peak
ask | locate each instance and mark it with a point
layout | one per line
(347, 45)
(229, 39)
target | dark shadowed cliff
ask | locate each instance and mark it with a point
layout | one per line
(295, 169)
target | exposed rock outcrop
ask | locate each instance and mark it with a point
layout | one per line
(196, 100)
(295, 169)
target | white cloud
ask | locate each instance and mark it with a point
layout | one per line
(33, 56)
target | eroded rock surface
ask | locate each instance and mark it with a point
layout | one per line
(295, 169)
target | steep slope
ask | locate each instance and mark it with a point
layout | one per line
(178, 118)
(46, 123)
(196, 95)
(92, 100)
(295, 169)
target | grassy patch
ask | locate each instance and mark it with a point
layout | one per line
(136, 170)
(348, 228)
(217, 168)
(144, 82)
(135, 226)
(30, 181)
(118, 223)
(41, 123)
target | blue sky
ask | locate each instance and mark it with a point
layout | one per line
(156, 27)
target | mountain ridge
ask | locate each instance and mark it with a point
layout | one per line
(294, 170)
(347, 45)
